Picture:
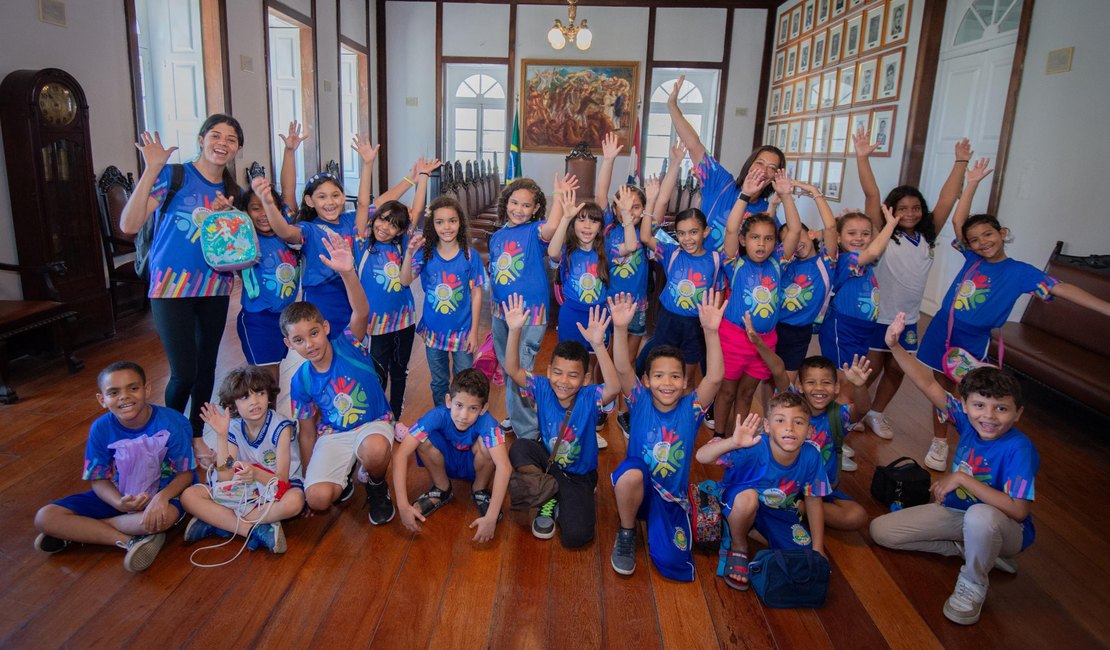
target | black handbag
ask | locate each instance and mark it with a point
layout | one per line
(902, 482)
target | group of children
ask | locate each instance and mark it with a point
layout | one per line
(742, 298)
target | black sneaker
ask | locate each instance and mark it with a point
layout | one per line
(624, 421)
(381, 506)
(624, 552)
(48, 544)
(543, 526)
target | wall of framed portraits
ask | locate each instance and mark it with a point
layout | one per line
(839, 66)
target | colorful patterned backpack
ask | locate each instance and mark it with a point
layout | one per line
(228, 240)
(705, 512)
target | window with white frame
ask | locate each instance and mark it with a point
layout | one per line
(697, 98)
(476, 112)
(354, 111)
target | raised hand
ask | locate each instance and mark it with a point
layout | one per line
(805, 189)
(625, 197)
(711, 310)
(895, 329)
(747, 433)
(859, 371)
(595, 330)
(570, 208)
(222, 203)
(154, 154)
(566, 183)
(963, 150)
(651, 191)
(217, 418)
(424, 166)
(888, 214)
(755, 181)
(416, 242)
(294, 138)
(861, 140)
(979, 170)
(513, 310)
(678, 150)
(262, 189)
(610, 148)
(339, 258)
(781, 182)
(367, 151)
(673, 97)
(622, 309)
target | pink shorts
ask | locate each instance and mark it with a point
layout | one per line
(741, 357)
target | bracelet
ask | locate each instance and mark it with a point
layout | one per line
(648, 215)
(963, 161)
(409, 181)
(745, 198)
(425, 174)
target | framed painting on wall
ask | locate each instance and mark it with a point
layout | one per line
(836, 36)
(795, 137)
(838, 142)
(780, 65)
(795, 22)
(828, 89)
(897, 23)
(873, 28)
(803, 171)
(890, 75)
(784, 29)
(787, 99)
(819, 42)
(852, 35)
(860, 123)
(882, 130)
(799, 97)
(791, 61)
(776, 101)
(834, 179)
(817, 175)
(865, 81)
(781, 143)
(807, 20)
(846, 86)
(563, 103)
(804, 55)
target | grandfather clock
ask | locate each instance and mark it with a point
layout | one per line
(45, 122)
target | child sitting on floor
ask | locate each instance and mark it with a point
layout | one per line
(134, 522)
(567, 411)
(457, 440)
(254, 445)
(764, 476)
(982, 508)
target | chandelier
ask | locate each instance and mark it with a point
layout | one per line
(580, 35)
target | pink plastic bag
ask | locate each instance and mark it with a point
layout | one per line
(139, 463)
(486, 361)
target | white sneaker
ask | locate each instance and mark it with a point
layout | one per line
(710, 423)
(847, 451)
(879, 425)
(847, 464)
(965, 603)
(937, 456)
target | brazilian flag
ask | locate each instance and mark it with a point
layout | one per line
(512, 169)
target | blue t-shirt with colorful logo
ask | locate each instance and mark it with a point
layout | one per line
(755, 290)
(176, 261)
(804, 289)
(820, 436)
(688, 277)
(447, 284)
(313, 233)
(664, 441)
(392, 307)
(516, 265)
(100, 461)
(577, 440)
(1008, 464)
(628, 273)
(778, 486)
(579, 274)
(855, 289)
(276, 274)
(719, 192)
(438, 422)
(347, 395)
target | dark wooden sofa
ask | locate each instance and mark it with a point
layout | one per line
(1061, 344)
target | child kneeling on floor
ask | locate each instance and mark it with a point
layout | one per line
(764, 476)
(982, 508)
(254, 445)
(134, 522)
(457, 440)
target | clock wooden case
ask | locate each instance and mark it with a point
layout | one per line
(45, 122)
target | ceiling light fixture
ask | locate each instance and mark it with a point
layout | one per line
(580, 35)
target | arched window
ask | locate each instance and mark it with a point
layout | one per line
(987, 18)
(476, 112)
(698, 100)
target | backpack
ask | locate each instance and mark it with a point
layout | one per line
(705, 512)
(145, 236)
(836, 426)
(228, 241)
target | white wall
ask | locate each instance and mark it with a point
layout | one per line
(742, 98)
(410, 79)
(475, 29)
(327, 84)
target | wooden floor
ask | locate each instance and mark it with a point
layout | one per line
(344, 583)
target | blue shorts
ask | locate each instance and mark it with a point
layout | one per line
(932, 347)
(841, 337)
(793, 344)
(638, 326)
(261, 338)
(459, 463)
(88, 504)
(570, 314)
(683, 332)
(782, 527)
(668, 526)
(908, 339)
(836, 495)
(331, 299)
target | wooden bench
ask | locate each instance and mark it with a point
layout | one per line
(1064, 345)
(22, 317)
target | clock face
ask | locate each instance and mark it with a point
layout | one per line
(57, 104)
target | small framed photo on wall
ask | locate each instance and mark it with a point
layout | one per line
(799, 97)
(803, 55)
(821, 140)
(776, 101)
(834, 179)
(809, 133)
(823, 10)
(865, 81)
(780, 65)
(772, 134)
(781, 140)
(890, 75)
(813, 93)
(873, 27)
(787, 99)
(795, 143)
(882, 130)
(898, 21)
(853, 34)
(791, 61)
(784, 29)
(819, 50)
(792, 168)
(838, 139)
(809, 16)
(838, 7)
(860, 122)
(803, 170)
(828, 90)
(846, 85)
(836, 41)
(817, 175)
(795, 22)
(856, 3)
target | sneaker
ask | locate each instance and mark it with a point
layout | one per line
(710, 423)
(1003, 564)
(381, 506)
(847, 464)
(624, 421)
(602, 420)
(965, 603)
(349, 488)
(845, 450)
(197, 530)
(879, 425)
(543, 526)
(141, 551)
(506, 426)
(48, 544)
(937, 456)
(268, 536)
(623, 558)
(858, 426)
